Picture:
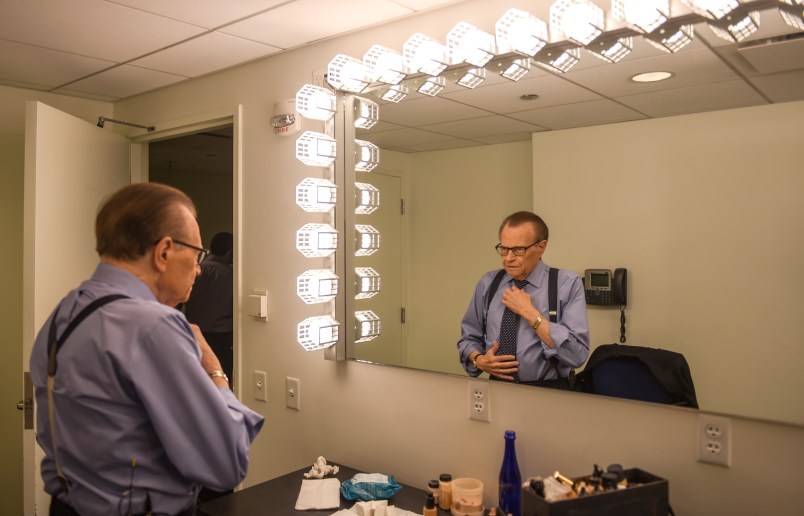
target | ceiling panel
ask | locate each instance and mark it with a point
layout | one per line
(43, 67)
(694, 99)
(594, 112)
(204, 13)
(124, 81)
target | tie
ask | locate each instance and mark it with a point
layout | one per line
(508, 330)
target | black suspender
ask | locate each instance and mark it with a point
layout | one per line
(53, 347)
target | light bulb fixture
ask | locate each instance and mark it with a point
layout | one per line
(317, 286)
(712, 9)
(367, 240)
(468, 44)
(315, 102)
(580, 21)
(472, 77)
(367, 156)
(792, 15)
(735, 29)
(521, 32)
(367, 198)
(432, 86)
(384, 65)
(611, 49)
(558, 60)
(670, 37)
(516, 68)
(651, 76)
(421, 53)
(395, 93)
(347, 74)
(315, 240)
(367, 113)
(315, 149)
(367, 326)
(641, 15)
(316, 195)
(367, 282)
(317, 332)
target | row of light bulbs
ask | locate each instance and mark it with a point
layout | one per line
(317, 240)
(573, 24)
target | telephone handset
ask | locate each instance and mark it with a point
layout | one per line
(604, 288)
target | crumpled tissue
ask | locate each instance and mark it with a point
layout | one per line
(319, 494)
(321, 469)
(374, 508)
(370, 486)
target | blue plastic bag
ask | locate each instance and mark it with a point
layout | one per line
(370, 486)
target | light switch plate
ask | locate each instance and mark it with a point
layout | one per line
(259, 385)
(293, 393)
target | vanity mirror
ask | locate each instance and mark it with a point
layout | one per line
(465, 158)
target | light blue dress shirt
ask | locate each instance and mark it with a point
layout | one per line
(570, 333)
(130, 387)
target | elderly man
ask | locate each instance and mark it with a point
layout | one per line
(508, 331)
(134, 412)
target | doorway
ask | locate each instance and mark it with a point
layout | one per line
(201, 165)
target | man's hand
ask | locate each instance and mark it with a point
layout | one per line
(502, 366)
(519, 302)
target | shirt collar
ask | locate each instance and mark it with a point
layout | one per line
(537, 275)
(122, 280)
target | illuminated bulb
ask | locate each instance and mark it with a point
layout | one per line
(384, 65)
(516, 69)
(367, 240)
(736, 30)
(520, 32)
(315, 102)
(316, 240)
(421, 53)
(578, 20)
(367, 113)
(317, 332)
(367, 198)
(712, 9)
(466, 43)
(395, 93)
(367, 156)
(315, 149)
(432, 86)
(317, 286)
(612, 50)
(367, 282)
(347, 74)
(316, 195)
(793, 16)
(472, 78)
(642, 15)
(670, 39)
(560, 61)
(367, 326)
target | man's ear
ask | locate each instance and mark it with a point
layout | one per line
(160, 252)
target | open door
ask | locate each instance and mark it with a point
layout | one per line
(70, 166)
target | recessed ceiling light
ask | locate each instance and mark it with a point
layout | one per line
(529, 96)
(651, 76)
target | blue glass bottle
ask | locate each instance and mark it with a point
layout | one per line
(510, 479)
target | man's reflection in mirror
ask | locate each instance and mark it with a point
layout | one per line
(508, 330)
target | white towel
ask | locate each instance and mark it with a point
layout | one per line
(319, 494)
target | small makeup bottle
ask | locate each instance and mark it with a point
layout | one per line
(445, 488)
(429, 505)
(433, 487)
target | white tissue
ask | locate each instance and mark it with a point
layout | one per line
(319, 494)
(321, 469)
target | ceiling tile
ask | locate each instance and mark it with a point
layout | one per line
(205, 54)
(581, 114)
(429, 110)
(781, 87)
(43, 67)
(92, 28)
(419, 5)
(125, 81)
(482, 127)
(282, 27)
(205, 13)
(693, 99)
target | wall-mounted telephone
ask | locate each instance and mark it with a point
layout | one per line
(604, 288)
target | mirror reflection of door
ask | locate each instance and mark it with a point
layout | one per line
(201, 165)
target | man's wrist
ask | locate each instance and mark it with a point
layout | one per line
(474, 358)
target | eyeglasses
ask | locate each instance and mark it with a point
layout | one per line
(202, 253)
(518, 251)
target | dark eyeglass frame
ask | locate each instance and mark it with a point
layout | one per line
(202, 252)
(518, 251)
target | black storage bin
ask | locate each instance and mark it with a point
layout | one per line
(649, 498)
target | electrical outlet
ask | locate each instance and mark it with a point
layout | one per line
(479, 400)
(714, 439)
(293, 393)
(259, 385)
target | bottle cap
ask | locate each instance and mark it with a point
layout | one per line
(445, 477)
(429, 501)
(510, 434)
(433, 484)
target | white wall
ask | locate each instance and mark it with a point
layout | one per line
(414, 424)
